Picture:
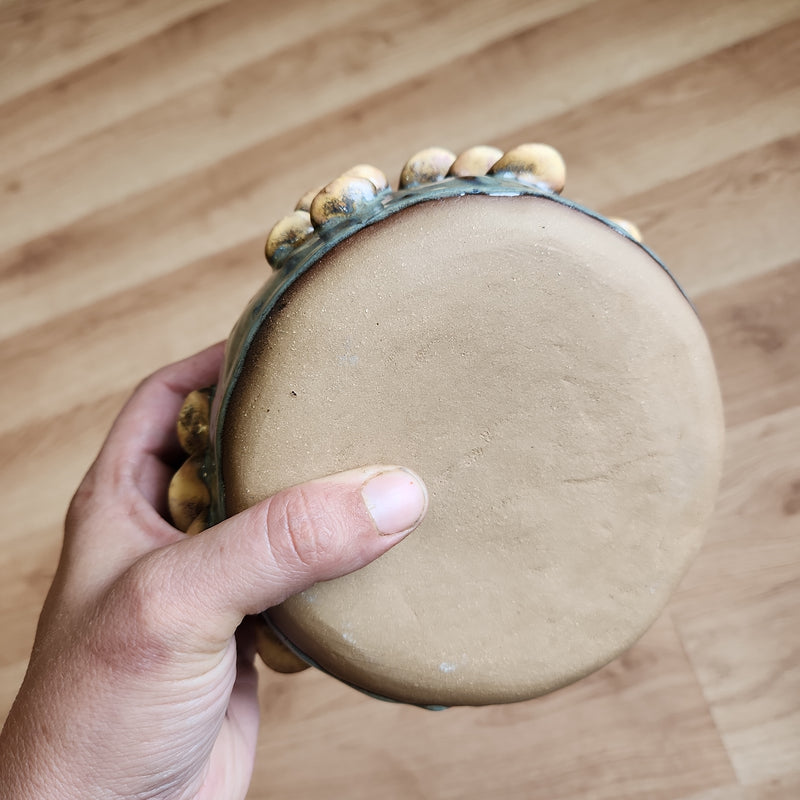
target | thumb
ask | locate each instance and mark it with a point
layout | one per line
(314, 532)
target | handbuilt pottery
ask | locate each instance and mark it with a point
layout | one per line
(536, 364)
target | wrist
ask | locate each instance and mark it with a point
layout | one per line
(28, 760)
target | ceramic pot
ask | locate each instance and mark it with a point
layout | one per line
(533, 361)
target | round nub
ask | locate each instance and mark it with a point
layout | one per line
(475, 161)
(427, 166)
(370, 173)
(304, 203)
(193, 421)
(535, 164)
(188, 495)
(629, 228)
(287, 234)
(344, 197)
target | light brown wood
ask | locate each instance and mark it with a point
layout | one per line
(147, 148)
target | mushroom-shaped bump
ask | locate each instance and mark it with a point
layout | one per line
(475, 161)
(188, 495)
(193, 422)
(287, 234)
(342, 198)
(536, 164)
(198, 526)
(629, 228)
(427, 166)
(273, 652)
(304, 203)
(372, 174)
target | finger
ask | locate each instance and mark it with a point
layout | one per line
(231, 761)
(115, 515)
(314, 532)
(143, 436)
(152, 482)
(243, 708)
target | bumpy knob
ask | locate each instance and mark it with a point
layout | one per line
(287, 234)
(536, 164)
(475, 161)
(426, 166)
(629, 228)
(341, 198)
(188, 495)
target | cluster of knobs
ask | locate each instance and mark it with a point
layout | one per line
(362, 188)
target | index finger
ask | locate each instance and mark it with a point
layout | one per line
(144, 436)
(130, 474)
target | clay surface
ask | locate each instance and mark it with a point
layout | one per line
(556, 392)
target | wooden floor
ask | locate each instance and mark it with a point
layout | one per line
(145, 150)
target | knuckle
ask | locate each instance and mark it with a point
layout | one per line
(153, 379)
(84, 499)
(301, 529)
(138, 635)
(106, 482)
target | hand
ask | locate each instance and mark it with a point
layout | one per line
(136, 686)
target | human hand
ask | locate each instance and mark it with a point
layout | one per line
(136, 686)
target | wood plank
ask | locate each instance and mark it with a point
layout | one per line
(161, 316)
(749, 685)
(238, 110)
(755, 336)
(649, 700)
(778, 789)
(233, 117)
(239, 197)
(25, 589)
(44, 463)
(705, 222)
(205, 45)
(691, 117)
(145, 150)
(737, 609)
(10, 678)
(42, 40)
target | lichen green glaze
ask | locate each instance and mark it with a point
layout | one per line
(309, 252)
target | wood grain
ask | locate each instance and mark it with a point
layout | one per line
(145, 150)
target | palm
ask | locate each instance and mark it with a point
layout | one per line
(231, 762)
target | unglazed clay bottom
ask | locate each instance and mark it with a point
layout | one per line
(553, 387)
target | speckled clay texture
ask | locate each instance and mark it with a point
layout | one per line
(555, 390)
